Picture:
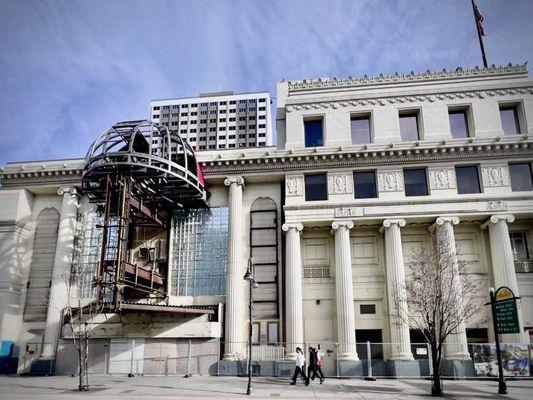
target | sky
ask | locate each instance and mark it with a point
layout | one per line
(70, 69)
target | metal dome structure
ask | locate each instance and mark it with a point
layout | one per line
(138, 172)
(159, 160)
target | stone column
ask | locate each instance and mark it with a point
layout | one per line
(58, 298)
(455, 346)
(294, 323)
(234, 345)
(503, 266)
(397, 301)
(344, 291)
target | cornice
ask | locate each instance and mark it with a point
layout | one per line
(519, 70)
(369, 155)
(380, 100)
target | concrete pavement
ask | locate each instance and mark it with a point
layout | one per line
(104, 387)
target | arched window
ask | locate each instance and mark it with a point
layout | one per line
(42, 265)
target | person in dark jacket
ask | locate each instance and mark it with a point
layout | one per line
(313, 359)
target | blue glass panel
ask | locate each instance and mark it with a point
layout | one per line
(467, 180)
(314, 135)
(521, 177)
(415, 182)
(365, 184)
(316, 187)
(200, 252)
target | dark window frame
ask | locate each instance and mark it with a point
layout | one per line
(479, 185)
(362, 116)
(314, 119)
(426, 181)
(417, 113)
(517, 108)
(530, 176)
(376, 195)
(321, 196)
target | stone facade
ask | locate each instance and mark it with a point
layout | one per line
(337, 258)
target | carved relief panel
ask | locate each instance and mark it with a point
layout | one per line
(294, 186)
(340, 183)
(442, 178)
(495, 176)
(390, 181)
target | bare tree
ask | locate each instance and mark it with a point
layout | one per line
(441, 296)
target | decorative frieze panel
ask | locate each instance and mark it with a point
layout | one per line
(314, 271)
(345, 212)
(495, 176)
(390, 181)
(340, 183)
(443, 178)
(294, 186)
(497, 205)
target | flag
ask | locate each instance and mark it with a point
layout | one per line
(479, 19)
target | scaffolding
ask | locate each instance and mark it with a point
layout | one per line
(137, 173)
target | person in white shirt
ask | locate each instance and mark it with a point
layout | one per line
(299, 369)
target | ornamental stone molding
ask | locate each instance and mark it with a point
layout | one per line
(340, 183)
(298, 226)
(67, 190)
(345, 212)
(294, 186)
(239, 180)
(338, 224)
(390, 181)
(497, 205)
(510, 69)
(495, 176)
(392, 221)
(442, 178)
(494, 219)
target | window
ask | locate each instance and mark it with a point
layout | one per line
(222, 120)
(166, 107)
(256, 328)
(467, 179)
(316, 187)
(509, 118)
(194, 105)
(251, 127)
(242, 109)
(156, 116)
(262, 126)
(184, 106)
(251, 108)
(262, 135)
(184, 114)
(222, 146)
(272, 332)
(166, 115)
(232, 102)
(360, 127)
(203, 129)
(242, 136)
(212, 120)
(156, 108)
(409, 126)
(263, 100)
(251, 101)
(314, 135)
(231, 136)
(232, 119)
(519, 245)
(183, 131)
(521, 177)
(183, 123)
(175, 106)
(175, 114)
(242, 101)
(262, 117)
(242, 126)
(262, 108)
(458, 124)
(242, 118)
(223, 137)
(203, 121)
(223, 103)
(231, 145)
(222, 128)
(232, 111)
(222, 111)
(194, 113)
(212, 111)
(251, 117)
(213, 103)
(231, 128)
(203, 104)
(365, 184)
(415, 182)
(367, 308)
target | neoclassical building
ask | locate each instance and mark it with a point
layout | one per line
(363, 171)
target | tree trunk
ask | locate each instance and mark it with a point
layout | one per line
(83, 364)
(436, 387)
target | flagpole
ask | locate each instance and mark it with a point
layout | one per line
(479, 35)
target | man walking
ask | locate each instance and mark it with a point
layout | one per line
(299, 368)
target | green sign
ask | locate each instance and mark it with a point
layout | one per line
(506, 316)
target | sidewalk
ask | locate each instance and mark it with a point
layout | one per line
(107, 387)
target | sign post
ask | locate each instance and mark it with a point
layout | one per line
(505, 320)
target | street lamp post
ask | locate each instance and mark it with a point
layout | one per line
(249, 276)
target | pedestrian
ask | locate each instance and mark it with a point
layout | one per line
(319, 362)
(299, 368)
(311, 369)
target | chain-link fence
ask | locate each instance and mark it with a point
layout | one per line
(367, 359)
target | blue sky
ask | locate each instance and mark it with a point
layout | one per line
(69, 69)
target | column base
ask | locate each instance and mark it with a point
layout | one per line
(403, 368)
(232, 367)
(348, 368)
(457, 368)
(43, 367)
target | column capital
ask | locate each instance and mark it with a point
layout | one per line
(67, 190)
(239, 180)
(494, 219)
(387, 223)
(298, 226)
(338, 224)
(440, 221)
